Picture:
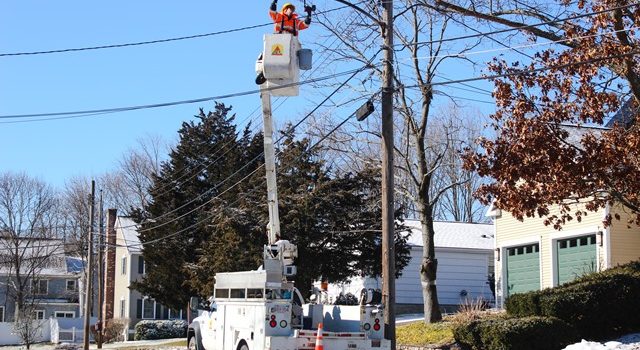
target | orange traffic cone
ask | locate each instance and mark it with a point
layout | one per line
(319, 345)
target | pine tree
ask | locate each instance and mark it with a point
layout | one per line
(209, 158)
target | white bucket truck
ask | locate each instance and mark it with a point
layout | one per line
(261, 309)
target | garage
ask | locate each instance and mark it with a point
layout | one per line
(523, 268)
(576, 257)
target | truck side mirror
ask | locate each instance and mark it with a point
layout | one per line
(193, 304)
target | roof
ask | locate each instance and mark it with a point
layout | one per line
(129, 230)
(625, 115)
(454, 235)
(578, 132)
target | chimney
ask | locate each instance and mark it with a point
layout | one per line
(110, 273)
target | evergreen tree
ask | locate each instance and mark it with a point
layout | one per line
(202, 166)
(334, 220)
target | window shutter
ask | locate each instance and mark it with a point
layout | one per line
(140, 264)
(165, 313)
(139, 309)
(158, 314)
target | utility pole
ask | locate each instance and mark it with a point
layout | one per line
(101, 322)
(388, 248)
(88, 289)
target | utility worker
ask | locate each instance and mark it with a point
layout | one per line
(287, 20)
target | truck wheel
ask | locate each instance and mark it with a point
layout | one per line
(243, 346)
(192, 344)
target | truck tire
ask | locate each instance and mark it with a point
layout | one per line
(243, 346)
(194, 342)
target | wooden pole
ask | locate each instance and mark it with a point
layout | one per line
(388, 248)
(101, 320)
(88, 284)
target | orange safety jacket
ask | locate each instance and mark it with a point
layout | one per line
(290, 24)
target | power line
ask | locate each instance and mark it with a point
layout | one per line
(158, 41)
(166, 104)
(76, 114)
(142, 244)
(251, 161)
(279, 101)
(506, 30)
(525, 72)
(182, 102)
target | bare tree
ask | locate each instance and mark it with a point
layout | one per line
(458, 203)
(127, 188)
(28, 245)
(426, 142)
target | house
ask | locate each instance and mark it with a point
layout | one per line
(128, 266)
(465, 253)
(532, 256)
(52, 283)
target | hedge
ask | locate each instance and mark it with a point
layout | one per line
(535, 333)
(599, 305)
(160, 329)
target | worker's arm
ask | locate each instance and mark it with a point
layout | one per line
(273, 10)
(308, 10)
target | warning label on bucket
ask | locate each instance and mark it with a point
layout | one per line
(277, 50)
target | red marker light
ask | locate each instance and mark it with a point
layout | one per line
(376, 327)
(273, 323)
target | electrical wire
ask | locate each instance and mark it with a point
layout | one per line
(525, 72)
(210, 216)
(158, 41)
(506, 30)
(175, 103)
(250, 92)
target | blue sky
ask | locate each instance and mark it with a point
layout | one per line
(57, 150)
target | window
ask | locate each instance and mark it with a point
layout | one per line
(148, 308)
(141, 265)
(255, 293)
(71, 286)
(222, 293)
(39, 314)
(237, 293)
(65, 314)
(39, 287)
(124, 266)
(122, 307)
(175, 314)
(1, 313)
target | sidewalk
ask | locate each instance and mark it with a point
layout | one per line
(176, 343)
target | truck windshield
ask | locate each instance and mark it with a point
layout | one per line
(273, 294)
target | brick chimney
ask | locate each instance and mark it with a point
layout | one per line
(110, 271)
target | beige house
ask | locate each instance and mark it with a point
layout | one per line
(532, 256)
(128, 303)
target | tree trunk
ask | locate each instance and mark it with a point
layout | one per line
(429, 268)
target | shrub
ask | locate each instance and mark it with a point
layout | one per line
(515, 333)
(160, 329)
(114, 330)
(599, 305)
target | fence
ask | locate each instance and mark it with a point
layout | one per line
(69, 330)
(9, 336)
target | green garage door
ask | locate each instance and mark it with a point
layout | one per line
(523, 269)
(576, 257)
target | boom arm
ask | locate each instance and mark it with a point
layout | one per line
(270, 166)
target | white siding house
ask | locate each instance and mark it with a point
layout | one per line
(465, 254)
(129, 304)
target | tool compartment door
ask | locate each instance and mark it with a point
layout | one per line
(277, 59)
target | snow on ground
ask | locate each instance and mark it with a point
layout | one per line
(628, 342)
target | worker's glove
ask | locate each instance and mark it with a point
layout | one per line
(274, 6)
(307, 20)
